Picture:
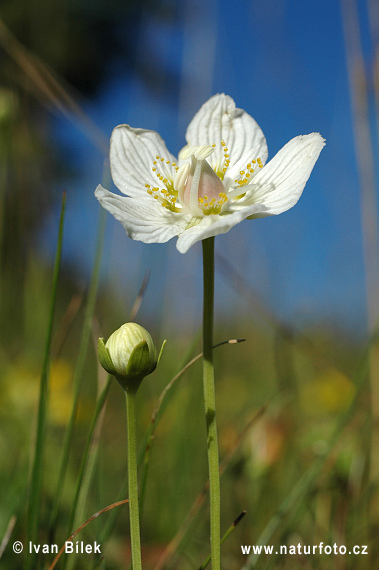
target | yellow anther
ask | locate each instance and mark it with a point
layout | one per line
(242, 172)
(213, 145)
(222, 143)
(205, 197)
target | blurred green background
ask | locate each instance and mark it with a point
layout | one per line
(301, 288)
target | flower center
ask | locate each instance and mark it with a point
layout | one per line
(196, 186)
(200, 190)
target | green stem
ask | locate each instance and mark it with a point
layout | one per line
(135, 539)
(209, 401)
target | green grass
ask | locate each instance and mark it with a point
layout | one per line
(293, 429)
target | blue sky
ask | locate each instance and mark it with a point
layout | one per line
(283, 61)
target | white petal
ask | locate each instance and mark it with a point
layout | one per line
(279, 185)
(219, 119)
(132, 154)
(214, 225)
(143, 219)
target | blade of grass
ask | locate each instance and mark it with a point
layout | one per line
(36, 477)
(140, 296)
(7, 535)
(87, 466)
(79, 369)
(224, 537)
(288, 333)
(50, 90)
(157, 413)
(149, 437)
(182, 536)
(112, 518)
(307, 481)
(99, 407)
(104, 510)
(360, 96)
(65, 325)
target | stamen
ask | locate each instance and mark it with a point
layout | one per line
(166, 196)
(163, 174)
(213, 207)
(223, 162)
(247, 175)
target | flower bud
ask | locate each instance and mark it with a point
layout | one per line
(129, 354)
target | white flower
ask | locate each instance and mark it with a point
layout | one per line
(219, 180)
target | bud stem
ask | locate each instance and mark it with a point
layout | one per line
(210, 401)
(135, 539)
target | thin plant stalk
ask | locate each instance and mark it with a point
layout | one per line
(135, 539)
(306, 483)
(210, 401)
(182, 536)
(80, 365)
(360, 103)
(225, 536)
(36, 478)
(87, 467)
(83, 466)
(83, 525)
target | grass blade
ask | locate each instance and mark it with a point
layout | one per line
(106, 509)
(165, 561)
(84, 342)
(36, 477)
(307, 481)
(224, 537)
(99, 406)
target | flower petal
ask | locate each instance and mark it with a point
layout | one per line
(219, 119)
(279, 185)
(214, 225)
(132, 154)
(143, 219)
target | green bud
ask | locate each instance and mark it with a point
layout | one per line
(129, 354)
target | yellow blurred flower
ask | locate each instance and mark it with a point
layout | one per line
(21, 391)
(331, 391)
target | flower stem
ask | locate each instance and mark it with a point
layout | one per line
(135, 539)
(209, 401)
